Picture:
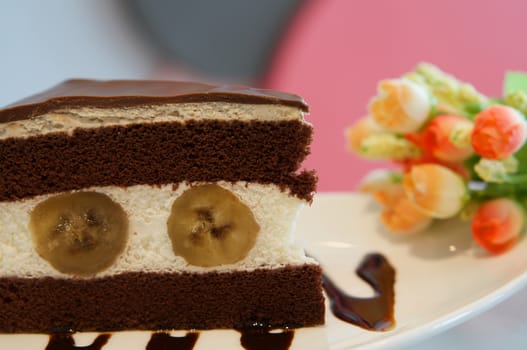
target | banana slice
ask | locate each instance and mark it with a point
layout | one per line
(79, 233)
(209, 226)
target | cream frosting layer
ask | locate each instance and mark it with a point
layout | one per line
(89, 117)
(149, 248)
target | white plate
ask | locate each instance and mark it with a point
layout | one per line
(442, 279)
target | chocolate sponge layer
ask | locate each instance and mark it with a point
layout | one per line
(158, 153)
(288, 296)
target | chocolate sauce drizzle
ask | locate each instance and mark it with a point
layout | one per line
(65, 341)
(164, 341)
(259, 338)
(375, 313)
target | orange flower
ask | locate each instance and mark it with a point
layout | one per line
(458, 168)
(438, 138)
(429, 158)
(389, 196)
(497, 224)
(499, 131)
(401, 106)
(359, 131)
(400, 214)
(436, 190)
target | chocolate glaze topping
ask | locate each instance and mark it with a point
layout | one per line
(126, 93)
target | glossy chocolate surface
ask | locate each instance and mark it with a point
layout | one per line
(127, 93)
(164, 341)
(375, 313)
(258, 338)
(64, 341)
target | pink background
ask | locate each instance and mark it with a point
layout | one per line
(336, 51)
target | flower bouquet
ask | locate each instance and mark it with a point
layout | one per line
(458, 152)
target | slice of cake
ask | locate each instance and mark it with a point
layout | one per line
(154, 205)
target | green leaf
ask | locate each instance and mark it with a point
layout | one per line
(515, 81)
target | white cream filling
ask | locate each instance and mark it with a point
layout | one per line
(89, 117)
(149, 248)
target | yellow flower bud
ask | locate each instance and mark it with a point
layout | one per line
(518, 100)
(388, 146)
(460, 135)
(492, 170)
